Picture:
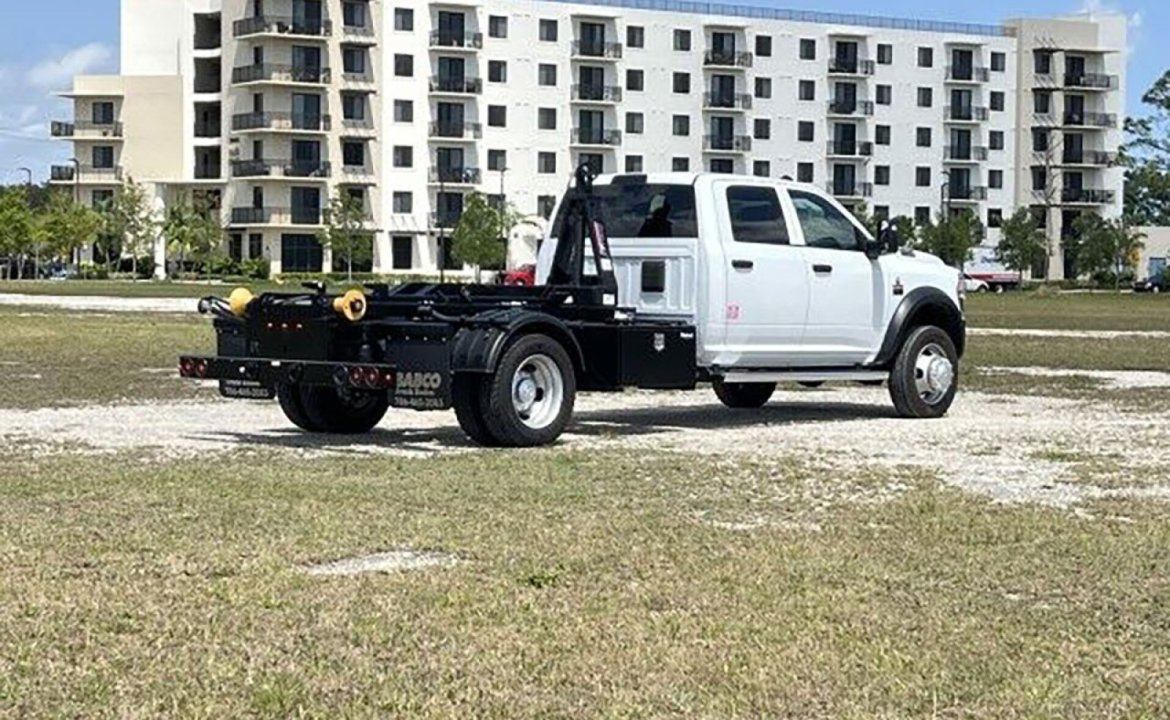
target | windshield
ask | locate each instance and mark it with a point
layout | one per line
(638, 210)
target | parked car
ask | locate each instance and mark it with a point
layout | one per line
(1155, 284)
(975, 285)
(525, 276)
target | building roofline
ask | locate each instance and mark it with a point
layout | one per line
(696, 7)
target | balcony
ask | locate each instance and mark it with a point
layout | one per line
(966, 113)
(363, 34)
(728, 59)
(285, 26)
(444, 40)
(1085, 196)
(968, 73)
(727, 101)
(456, 85)
(850, 189)
(597, 93)
(594, 50)
(851, 107)
(595, 136)
(965, 193)
(965, 153)
(727, 143)
(1090, 120)
(276, 216)
(83, 130)
(851, 66)
(86, 174)
(291, 74)
(358, 78)
(281, 168)
(456, 176)
(850, 149)
(1094, 158)
(450, 130)
(281, 122)
(1090, 81)
(357, 126)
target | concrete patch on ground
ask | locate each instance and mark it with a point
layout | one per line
(1078, 334)
(85, 303)
(1116, 379)
(387, 562)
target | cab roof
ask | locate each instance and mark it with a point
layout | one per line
(692, 178)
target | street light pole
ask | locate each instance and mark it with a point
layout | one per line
(28, 198)
(944, 196)
(76, 200)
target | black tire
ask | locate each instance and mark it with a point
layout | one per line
(812, 384)
(466, 395)
(353, 413)
(501, 417)
(904, 390)
(743, 396)
(289, 397)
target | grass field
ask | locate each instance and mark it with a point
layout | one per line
(614, 584)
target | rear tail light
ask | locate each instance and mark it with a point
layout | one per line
(370, 377)
(201, 368)
(186, 367)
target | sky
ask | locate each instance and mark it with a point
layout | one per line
(43, 44)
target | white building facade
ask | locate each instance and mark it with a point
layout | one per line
(272, 107)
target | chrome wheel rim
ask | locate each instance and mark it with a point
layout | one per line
(538, 391)
(934, 374)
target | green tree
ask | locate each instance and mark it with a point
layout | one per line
(1106, 248)
(192, 231)
(64, 227)
(953, 239)
(345, 232)
(133, 219)
(1023, 244)
(1146, 158)
(480, 237)
(17, 230)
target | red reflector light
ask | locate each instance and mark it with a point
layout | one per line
(185, 367)
(356, 376)
(388, 380)
(201, 368)
(373, 376)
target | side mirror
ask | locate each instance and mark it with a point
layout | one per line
(888, 237)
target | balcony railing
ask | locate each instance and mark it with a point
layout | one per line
(1090, 119)
(277, 168)
(85, 173)
(1086, 196)
(456, 175)
(595, 136)
(728, 101)
(851, 66)
(281, 121)
(359, 32)
(966, 192)
(1099, 158)
(276, 25)
(972, 153)
(365, 77)
(468, 40)
(457, 85)
(281, 73)
(854, 148)
(73, 129)
(851, 107)
(456, 130)
(357, 124)
(276, 216)
(601, 50)
(967, 113)
(964, 73)
(850, 189)
(728, 58)
(727, 143)
(597, 93)
(208, 129)
(1090, 81)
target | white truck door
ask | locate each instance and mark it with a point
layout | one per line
(845, 288)
(766, 283)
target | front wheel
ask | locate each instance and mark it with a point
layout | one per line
(529, 400)
(925, 378)
(743, 396)
(331, 411)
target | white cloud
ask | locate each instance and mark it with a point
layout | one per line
(57, 73)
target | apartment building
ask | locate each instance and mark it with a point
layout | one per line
(272, 107)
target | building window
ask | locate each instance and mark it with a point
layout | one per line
(881, 212)
(546, 163)
(925, 57)
(922, 176)
(804, 172)
(682, 83)
(404, 19)
(497, 160)
(1042, 103)
(995, 179)
(1039, 178)
(635, 123)
(804, 131)
(881, 175)
(403, 111)
(546, 75)
(921, 215)
(548, 30)
(682, 40)
(998, 62)
(497, 71)
(807, 90)
(764, 45)
(497, 26)
(103, 156)
(723, 166)
(635, 80)
(885, 54)
(885, 94)
(300, 253)
(403, 65)
(255, 246)
(353, 61)
(808, 49)
(762, 168)
(681, 125)
(403, 202)
(762, 129)
(881, 134)
(545, 204)
(403, 156)
(1040, 140)
(923, 137)
(402, 252)
(636, 36)
(497, 116)
(353, 154)
(763, 88)
(995, 139)
(1043, 60)
(680, 164)
(925, 97)
(633, 163)
(994, 217)
(103, 113)
(997, 101)
(546, 118)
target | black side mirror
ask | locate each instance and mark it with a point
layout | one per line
(888, 237)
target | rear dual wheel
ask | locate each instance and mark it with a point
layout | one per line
(329, 410)
(743, 396)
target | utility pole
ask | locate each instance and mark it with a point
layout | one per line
(76, 199)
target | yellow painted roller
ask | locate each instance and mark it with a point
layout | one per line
(351, 305)
(239, 301)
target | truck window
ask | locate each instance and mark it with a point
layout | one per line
(639, 210)
(824, 225)
(756, 216)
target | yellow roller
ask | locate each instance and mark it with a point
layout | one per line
(239, 301)
(351, 305)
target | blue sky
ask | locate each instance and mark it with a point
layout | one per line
(43, 44)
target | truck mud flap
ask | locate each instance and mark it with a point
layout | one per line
(423, 379)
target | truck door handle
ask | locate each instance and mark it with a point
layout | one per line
(822, 269)
(742, 264)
